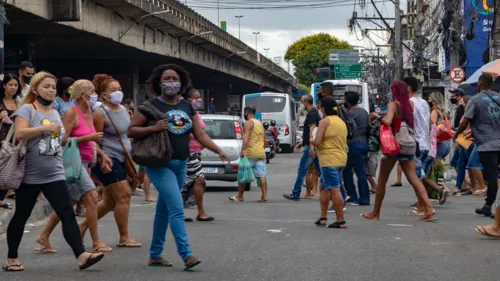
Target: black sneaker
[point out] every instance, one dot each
(443, 195)
(485, 210)
(291, 197)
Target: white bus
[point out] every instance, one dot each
(342, 86)
(279, 107)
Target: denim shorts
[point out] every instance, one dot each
(443, 149)
(423, 164)
(258, 167)
(330, 177)
(474, 162)
(117, 173)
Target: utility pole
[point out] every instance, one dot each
(256, 34)
(266, 49)
(495, 33)
(455, 33)
(218, 13)
(239, 26)
(3, 20)
(398, 50)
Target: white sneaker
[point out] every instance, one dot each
(332, 210)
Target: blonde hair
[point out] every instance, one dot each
(439, 99)
(35, 82)
(79, 87)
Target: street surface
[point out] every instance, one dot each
(278, 241)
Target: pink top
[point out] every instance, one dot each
(82, 129)
(194, 146)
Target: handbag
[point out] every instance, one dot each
(387, 141)
(443, 130)
(129, 163)
(72, 162)
(405, 138)
(154, 150)
(463, 141)
(12, 159)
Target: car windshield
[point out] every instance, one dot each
(266, 103)
(220, 129)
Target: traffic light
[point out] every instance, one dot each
(377, 96)
(323, 73)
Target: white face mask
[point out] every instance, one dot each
(92, 101)
(320, 114)
(116, 98)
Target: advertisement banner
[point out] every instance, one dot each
(477, 48)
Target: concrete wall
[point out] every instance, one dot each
(167, 34)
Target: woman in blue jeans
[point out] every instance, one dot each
(168, 82)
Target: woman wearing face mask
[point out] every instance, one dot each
(40, 125)
(166, 82)
(78, 124)
(9, 93)
(195, 180)
(111, 170)
(63, 100)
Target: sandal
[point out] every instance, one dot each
(338, 224)
(103, 249)
(188, 219)
(9, 268)
(45, 250)
(261, 201)
(91, 260)
(129, 244)
(161, 262)
(7, 206)
(191, 262)
(466, 192)
(482, 231)
(396, 184)
(320, 220)
(198, 218)
(234, 199)
(415, 213)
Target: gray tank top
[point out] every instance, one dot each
(110, 142)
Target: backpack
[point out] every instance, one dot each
(405, 138)
(349, 122)
(374, 136)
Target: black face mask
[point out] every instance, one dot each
(245, 116)
(453, 101)
(430, 104)
(346, 105)
(26, 79)
(132, 108)
(43, 101)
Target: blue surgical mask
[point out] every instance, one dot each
(116, 98)
(169, 89)
(92, 101)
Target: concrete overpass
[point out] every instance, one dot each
(128, 38)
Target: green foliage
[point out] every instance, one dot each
(310, 53)
(304, 88)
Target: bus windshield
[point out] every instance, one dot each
(339, 91)
(266, 103)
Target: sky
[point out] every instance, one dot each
(280, 28)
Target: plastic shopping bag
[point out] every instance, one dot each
(388, 142)
(72, 162)
(245, 173)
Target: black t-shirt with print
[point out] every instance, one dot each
(179, 127)
(312, 117)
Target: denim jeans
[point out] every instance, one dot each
(304, 164)
(356, 160)
(169, 207)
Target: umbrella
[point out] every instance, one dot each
(492, 68)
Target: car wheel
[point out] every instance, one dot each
(247, 186)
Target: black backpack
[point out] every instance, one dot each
(349, 122)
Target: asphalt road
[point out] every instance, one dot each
(278, 241)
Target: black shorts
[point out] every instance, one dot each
(117, 173)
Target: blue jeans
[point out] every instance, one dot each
(421, 165)
(304, 164)
(356, 160)
(464, 163)
(169, 208)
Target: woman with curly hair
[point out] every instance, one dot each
(112, 119)
(167, 83)
(400, 109)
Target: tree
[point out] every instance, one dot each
(311, 52)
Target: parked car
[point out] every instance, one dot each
(227, 132)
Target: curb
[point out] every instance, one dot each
(41, 211)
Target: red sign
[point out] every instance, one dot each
(457, 74)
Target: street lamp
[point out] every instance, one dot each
(266, 49)
(239, 26)
(256, 34)
(139, 19)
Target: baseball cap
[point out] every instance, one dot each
(458, 92)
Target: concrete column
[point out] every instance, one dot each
(135, 83)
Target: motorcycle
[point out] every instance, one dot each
(269, 149)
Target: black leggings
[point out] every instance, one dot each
(490, 161)
(58, 196)
(2, 194)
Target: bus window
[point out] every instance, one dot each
(339, 91)
(266, 103)
(292, 110)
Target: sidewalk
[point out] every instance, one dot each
(41, 211)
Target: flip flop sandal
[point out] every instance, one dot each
(485, 233)
(234, 199)
(130, 244)
(261, 201)
(415, 213)
(8, 268)
(188, 266)
(372, 191)
(318, 222)
(91, 261)
(105, 249)
(339, 224)
(46, 250)
(198, 218)
(427, 219)
(160, 263)
(188, 219)
(7, 206)
(396, 184)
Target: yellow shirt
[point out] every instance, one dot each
(255, 146)
(332, 151)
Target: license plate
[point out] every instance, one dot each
(210, 170)
(268, 149)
